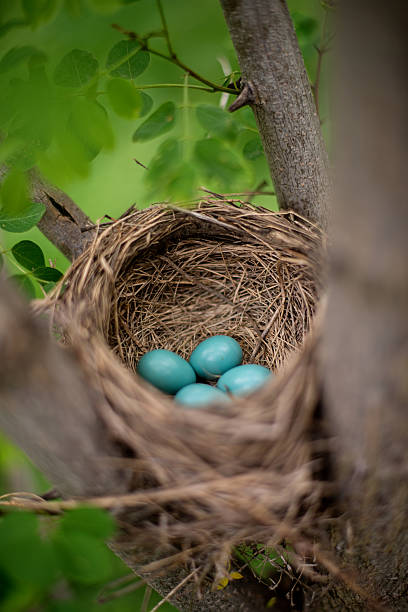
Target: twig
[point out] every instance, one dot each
(165, 28)
(174, 60)
(176, 588)
(245, 98)
(129, 588)
(140, 163)
(321, 51)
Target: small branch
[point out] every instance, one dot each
(173, 591)
(322, 49)
(161, 85)
(63, 220)
(165, 28)
(245, 98)
(174, 60)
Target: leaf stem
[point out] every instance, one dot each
(165, 28)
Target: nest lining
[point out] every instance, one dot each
(168, 278)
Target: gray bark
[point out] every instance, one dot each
(283, 104)
(365, 362)
(63, 221)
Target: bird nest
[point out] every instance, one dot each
(164, 277)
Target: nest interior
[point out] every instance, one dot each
(189, 279)
(167, 278)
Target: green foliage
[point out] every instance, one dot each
(89, 129)
(125, 100)
(21, 221)
(147, 104)
(25, 285)
(217, 160)
(217, 121)
(14, 192)
(42, 557)
(253, 149)
(38, 11)
(126, 60)
(264, 562)
(75, 69)
(28, 254)
(16, 56)
(47, 275)
(158, 123)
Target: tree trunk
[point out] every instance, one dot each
(365, 363)
(283, 104)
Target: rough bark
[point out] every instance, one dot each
(365, 363)
(283, 104)
(63, 221)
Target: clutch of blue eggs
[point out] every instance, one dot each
(218, 358)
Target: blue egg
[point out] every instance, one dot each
(166, 370)
(199, 395)
(244, 379)
(214, 356)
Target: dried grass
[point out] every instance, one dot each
(167, 278)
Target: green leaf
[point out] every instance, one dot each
(1, 261)
(253, 149)
(73, 7)
(217, 161)
(217, 121)
(24, 220)
(25, 284)
(168, 176)
(84, 559)
(10, 25)
(305, 26)
(38, 11)
(167, 158)
(47, 274)
(105, 6)
(147, 103)
(92, 521)
(28, 254)
(25, 557)
(75, 69)
(157, 124)
(16, 56)
(126, 101)
(14, 192)
(48, 287)
(126, 61)
(89, 126)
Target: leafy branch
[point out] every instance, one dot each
(172, 56)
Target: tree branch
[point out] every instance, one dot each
(271, 62)
(63, 220)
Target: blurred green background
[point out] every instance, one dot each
(112, 181)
